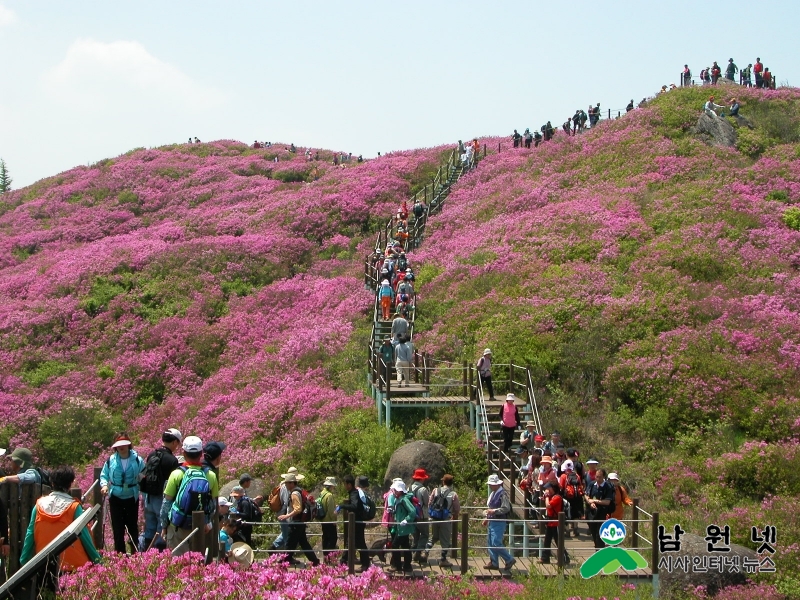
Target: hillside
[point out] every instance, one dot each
(206, 285)
(650, 280)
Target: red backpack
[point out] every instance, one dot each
(573, 487)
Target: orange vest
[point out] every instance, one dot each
(47, 527)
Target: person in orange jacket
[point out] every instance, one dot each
(52, 515)
(621, 498)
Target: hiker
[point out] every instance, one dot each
(591, 466)
(528, 136)
(768, 81)
(196, 140)
(297, 528)
(745, 76)
(715, 73)
(705, 76)
(387, 351)
(248, 511)
(399, 328)
(734, 110)
(516, 137)
(227, 531)
(328, 502)
(422, 532)
(485, 372)
(554, 504)
(509, 420)
(629, 108)
(212, 456)
(599, 497)
(190, 487)
(583, 118)
(443, 509)
(758, 69)
(552, 445)
(537, 139)
(283, 499)
(119, 481)
(51, 515)
(19, 465)
(385, 295)
(405, 515)
(527, 437)
(710, 108)
(158, 467)
(621, 497)
(731, 70)
(246, 481)
(548, 131)
(567, 125)
(404, 353)
(356, 502)
(572, 488)
(687, 76)
(498, 508)
(419, 209)
(547, 474)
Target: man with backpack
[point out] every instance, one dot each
(279, 504)
(248, 511)
(157, 468)
(191, 487)
(405, 517)
(573, 489)
(600, 503)
(299, 514)
(443, 510)
(498, 508)
(19, 465)
(361, 504)
(422, 496)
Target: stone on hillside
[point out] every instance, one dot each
(695, 546)
(419, 454)
(715, 131)
(257, 488)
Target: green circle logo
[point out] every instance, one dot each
(612, 532)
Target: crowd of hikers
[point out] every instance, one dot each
(711, 75)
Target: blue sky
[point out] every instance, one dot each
(86, 80)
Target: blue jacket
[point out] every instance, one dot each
(122, 484)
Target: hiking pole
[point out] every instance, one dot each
(83, 498)
(153, 541)
(180, 546)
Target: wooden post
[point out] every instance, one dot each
(654, 559)
(98, 534)
(484, 151)
(351, 543)
(511, 378)
(464, 543)
(635, 524)
(512, 488)
(198, 541)
(454, 539)
(562, 529)
(221, 555)
(471, 394)
(75, 493)
(498, 147)
(526, 499)
(464, 378)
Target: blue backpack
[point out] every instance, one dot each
(194, 494)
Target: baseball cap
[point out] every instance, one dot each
(213, 450)
(174, 433)
(192, 444)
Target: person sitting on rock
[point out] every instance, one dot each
(710, 108)
(734, 110)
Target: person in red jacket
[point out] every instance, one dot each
(758, 69)
(554, 504)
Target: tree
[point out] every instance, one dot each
(5, 178)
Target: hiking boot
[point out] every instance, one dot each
(445, 563)
(510, 564)
(491, 565)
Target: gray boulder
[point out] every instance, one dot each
(257, 488)
(419, 454)
(693, 546)
(715, 131)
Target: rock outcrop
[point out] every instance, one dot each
(419, 454)
(715, 131)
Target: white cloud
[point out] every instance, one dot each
(7, 16)
(123, 75)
